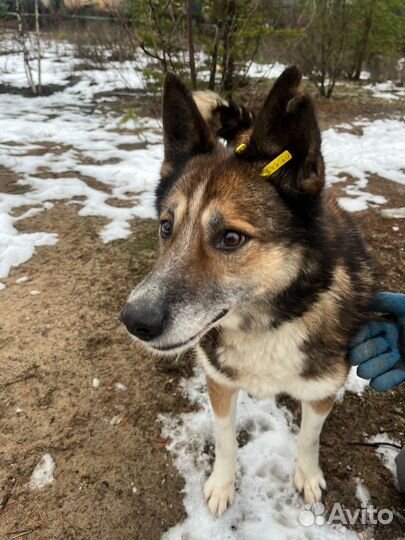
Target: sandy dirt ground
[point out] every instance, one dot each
(114, 479)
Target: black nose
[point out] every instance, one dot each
(144, 322)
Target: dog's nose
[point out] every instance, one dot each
(144, 322)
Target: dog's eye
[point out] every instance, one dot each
(166, 227)
(231, 240)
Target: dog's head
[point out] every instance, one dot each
(229, 236)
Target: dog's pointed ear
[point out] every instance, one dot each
(288, 121)
(186, 133)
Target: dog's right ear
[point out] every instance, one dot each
(186, 133)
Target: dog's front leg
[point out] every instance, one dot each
(308, 475)
(219, 490)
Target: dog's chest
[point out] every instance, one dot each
(268, 363)
(264, 364)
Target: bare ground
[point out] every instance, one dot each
(114, 478)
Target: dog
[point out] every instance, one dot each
(259, 271)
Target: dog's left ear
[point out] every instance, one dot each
(186, 133)
(287, 122)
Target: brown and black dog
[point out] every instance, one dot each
(258, 271)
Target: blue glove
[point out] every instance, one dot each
(379, 349)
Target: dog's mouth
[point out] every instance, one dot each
(190, 341)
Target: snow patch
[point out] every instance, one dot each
(116, 420)
(267, 504)
(66, 137)
(42, 475)
(378, 151)
(362, 493)
(354, 383)
(67, 132)
(387, 454)
(386, 90)
(393, 213)
(353, 205)
(268, 71)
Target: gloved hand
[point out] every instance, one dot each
(379, 348)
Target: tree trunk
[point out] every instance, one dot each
(25, 52)
(363, 46)
(193, 75)
(38, 39)
(228, 35)
(214, 57)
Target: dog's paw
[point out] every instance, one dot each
(310, 484)
(218, 496)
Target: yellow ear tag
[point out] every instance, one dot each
(277, 162)
(240, 149)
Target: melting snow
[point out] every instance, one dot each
(379, 150)
(42, 475)
(362, 493)
(22, 279)
(387, 454)
(267, 504)
(269, 71)
(65, 138)
(386, 90)
(354, 383)
(393, 213)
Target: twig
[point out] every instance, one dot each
(375, 444)
(18, 534)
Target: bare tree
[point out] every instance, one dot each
(38, 51)
(323, 50)
(238, 29)
(22, 41)
(155, 27)
(214, 55)
(27, 47)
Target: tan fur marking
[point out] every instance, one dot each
(166, 169)
(231, 217)
(342, 280)
(220, 397)
(207, 101)
(313, 185)
(179, 202)
(240, 224)
(323, 406)
(273, 264)
(195, 202)
(343, 371)
(243, 137)
(325, 313)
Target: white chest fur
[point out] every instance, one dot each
(269, 363)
